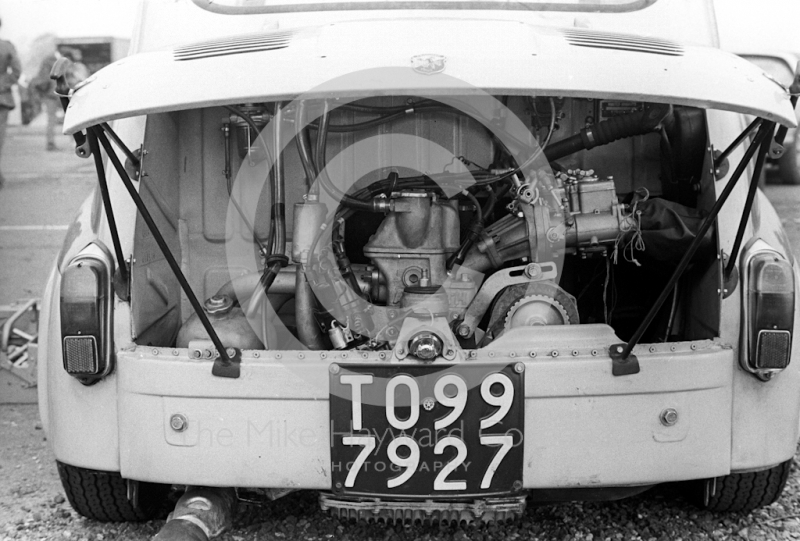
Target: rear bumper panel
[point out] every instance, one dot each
(583, 426)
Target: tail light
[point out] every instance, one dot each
(87, 299)
(768, 311)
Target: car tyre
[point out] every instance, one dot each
(789, 163)
(103, 496)
(742, 492)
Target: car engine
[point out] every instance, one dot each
(429, 258)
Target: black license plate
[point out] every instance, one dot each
(426, 430)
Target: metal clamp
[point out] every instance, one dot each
(622, 366)
(495, 284)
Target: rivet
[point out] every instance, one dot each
(532, 354)
(491, 354)
(364, 355)
(574, 352)
(694, 346)
(197, 354)
(344, 355)
(554, 353)
(672, 348)
(175, 352)
(155, 351)
(512, 354)
(323, 355)
(517, 486)
(594, 353)
(382, 355)
(230, 352)
(256, 354)
(301, 356)
(652, 349)
(178, 422)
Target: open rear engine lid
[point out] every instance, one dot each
(426, 56)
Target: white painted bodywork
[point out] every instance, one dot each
(322, 60)
(587, 427)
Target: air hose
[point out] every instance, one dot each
(608, 131)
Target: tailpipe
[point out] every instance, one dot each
(202, 513)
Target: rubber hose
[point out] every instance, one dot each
(608, 131)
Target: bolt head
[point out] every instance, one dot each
(463, 330)
(519, 368)
(669, 417)
(428, 403)
(334, 369)
(532, 270)
(178, 422)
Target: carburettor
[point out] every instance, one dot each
(595, 215)
(580, 212)
(412, 244)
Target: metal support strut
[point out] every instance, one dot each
(226, 365)
(621, 353)
(112, 223)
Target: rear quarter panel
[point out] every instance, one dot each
(765, 415)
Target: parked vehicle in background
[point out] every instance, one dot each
(96, 51)
(481, 253)
(781, 66)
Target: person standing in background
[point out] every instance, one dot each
(45, 87)
(10, 69)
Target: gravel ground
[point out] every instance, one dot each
(32, 506)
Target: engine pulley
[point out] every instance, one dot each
(531, 304)
(534, 310)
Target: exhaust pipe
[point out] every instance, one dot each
(202, 513)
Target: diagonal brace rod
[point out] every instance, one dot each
(751, 195)
(763, 135)
(224, 366)
(112, 223)
(114, 137)
(736, 142)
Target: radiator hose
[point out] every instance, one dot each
(608, 131)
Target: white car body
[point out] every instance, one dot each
(271, 428)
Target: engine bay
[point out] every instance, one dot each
(423, 225)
